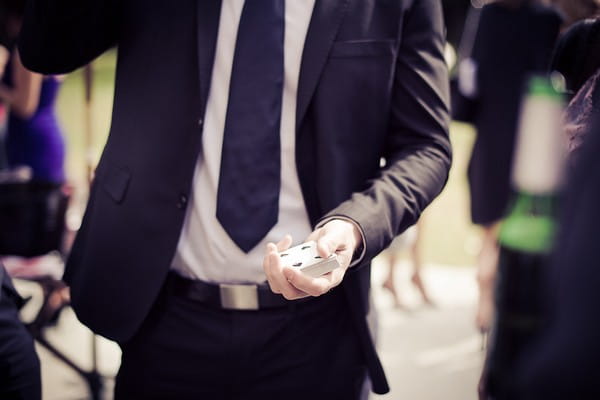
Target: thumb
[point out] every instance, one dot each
(328, 243)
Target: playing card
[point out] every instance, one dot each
(306, 258)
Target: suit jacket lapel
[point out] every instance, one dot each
(325, 22)
(208, 14)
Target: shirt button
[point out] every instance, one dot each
(200, 121)
(182, 201)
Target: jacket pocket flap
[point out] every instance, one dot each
(116, 181)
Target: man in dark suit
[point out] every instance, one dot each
(236, 124)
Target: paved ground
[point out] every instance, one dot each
(428, 353)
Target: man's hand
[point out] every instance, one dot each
(336, 236)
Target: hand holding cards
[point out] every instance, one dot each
(306, 258)
(307, 270)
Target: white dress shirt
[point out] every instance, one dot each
(205, 251)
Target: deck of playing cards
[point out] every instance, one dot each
(306, 258)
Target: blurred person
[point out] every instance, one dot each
(411, 240)
(33, 138)
(5, 41)
(4, 55)
(576, 54)
(166, 233)
(575, 10)
(455, 13)
(19, 363)
(514, 39)
(33, 135)
(3, 60)
(560, 364)
(578, 60)
(563, 361)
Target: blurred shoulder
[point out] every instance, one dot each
(547, 12)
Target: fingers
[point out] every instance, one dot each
(314, 286)
(328, 244)
(314, 236)
(325, 239)
(271, 258)
(309, 285)
(275, 277)
(284, 243)
(267, 261)
(336, 237)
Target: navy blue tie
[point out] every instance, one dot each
(250, 177)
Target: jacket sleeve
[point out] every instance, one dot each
(59, 36)
(417, 152)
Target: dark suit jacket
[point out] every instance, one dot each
(373, 84)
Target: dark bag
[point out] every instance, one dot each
(32, 218)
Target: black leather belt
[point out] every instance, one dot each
(225, 296)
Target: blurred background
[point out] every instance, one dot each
(425, 322)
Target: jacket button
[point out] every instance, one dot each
(182, 201)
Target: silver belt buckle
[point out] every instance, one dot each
(239, 297)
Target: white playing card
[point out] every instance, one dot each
(306, 258)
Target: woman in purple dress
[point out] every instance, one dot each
(34, 138)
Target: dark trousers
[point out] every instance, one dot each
(19, 363)
(189, 350)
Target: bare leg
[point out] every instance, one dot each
(389, 282)
(417, 263)
(57, 296)
(486, 277)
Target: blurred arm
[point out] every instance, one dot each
(59, 36)
(3, 59)
(24, 96)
